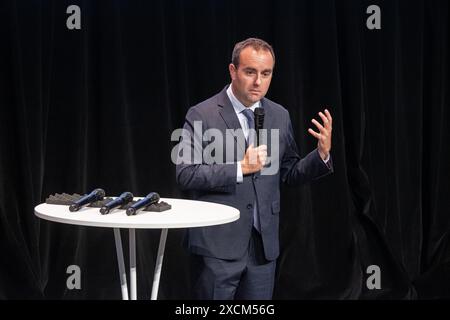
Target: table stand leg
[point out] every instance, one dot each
(159, 261)
(122, 274)
(133, 281)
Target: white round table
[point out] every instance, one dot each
(183, 214)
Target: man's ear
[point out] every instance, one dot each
(232, 70)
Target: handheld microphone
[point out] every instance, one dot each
(259, 122)
(124, 198)
(95, 195)
(150, 199)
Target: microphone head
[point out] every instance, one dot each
(259, 112)
(259, 117)
(153, 196)
(99, 193)
(127, 197)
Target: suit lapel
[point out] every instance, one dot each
(230, 118)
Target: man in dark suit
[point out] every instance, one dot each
(237, 260)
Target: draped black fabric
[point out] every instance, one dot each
(96, 107)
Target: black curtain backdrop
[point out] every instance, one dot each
(96, 107)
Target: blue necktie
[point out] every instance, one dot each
(248, 113)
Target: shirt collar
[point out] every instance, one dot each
(237, 105)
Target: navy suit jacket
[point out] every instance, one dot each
(217, 182)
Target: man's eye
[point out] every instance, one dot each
(266, 74)
(249, 72)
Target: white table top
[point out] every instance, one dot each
(184, 214)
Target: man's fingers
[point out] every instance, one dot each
(262, 147)
(325, 120)
(314, 134)
(257, 156)
(330, 119)
(318, 125)
(261, 151)
(252, 154)
(262, 159)
(253, 160)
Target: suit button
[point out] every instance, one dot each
(255, 177)
(249, 206)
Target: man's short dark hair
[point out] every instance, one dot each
(255, 43)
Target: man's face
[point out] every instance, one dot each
(251, 80)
